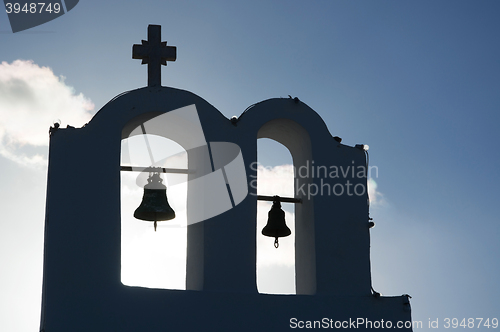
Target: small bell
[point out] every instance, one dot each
(154, 205)
(276, 226)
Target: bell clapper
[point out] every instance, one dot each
(155, 221)
(276, 244)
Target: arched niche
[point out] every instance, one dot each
(275, 266)
(182, 126)
(149, 258)
(296, 139)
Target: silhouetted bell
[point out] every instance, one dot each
(154, 205)
(276, 226)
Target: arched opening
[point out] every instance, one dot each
(296, 139)
(275, 176)
(148, 258)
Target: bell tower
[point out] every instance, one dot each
(81, 279)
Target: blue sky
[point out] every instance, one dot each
(418, 81)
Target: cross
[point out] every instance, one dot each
(154, 53)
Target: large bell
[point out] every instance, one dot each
(154, 205)
(276, 226)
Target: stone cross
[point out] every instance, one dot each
(154, 53)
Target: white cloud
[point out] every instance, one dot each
(277, 180)
(31, 99)
(376, 197)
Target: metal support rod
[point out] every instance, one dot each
(147, 144)
(278, 198)
(156, 170)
